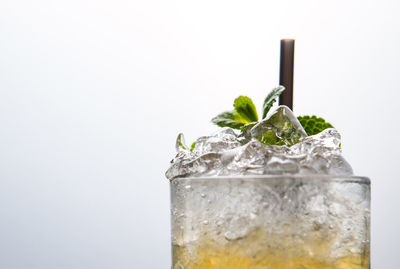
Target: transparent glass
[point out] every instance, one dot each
(298, 222)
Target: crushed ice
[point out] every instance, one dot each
(228, 153)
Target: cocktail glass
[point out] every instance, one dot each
(283, 221)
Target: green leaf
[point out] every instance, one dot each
(229, 119)
(192, 146)
(271, 98)
(270, 138)
(181, 141)
(313, 125)
(246, 109)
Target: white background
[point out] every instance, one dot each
(93, 94)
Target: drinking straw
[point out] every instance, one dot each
(286, 72)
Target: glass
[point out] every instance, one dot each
(299, 222)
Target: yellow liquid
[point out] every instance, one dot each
(226, 260)
(247, 253)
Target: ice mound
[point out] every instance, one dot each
(277, 145)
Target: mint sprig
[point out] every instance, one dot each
(245, 117)
(270, 99)
(313, 124)
(245, 111)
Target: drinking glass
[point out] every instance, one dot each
(283, 221)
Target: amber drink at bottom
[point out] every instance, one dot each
(271, 222)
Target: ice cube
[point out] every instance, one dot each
(223, 140)
(281, 128)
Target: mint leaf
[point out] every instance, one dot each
(271, 98)
(270, 138)
(180, 142)
(246, 109)
(229, 119)
(192, 146)
(313, 125)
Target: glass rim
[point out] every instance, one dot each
(311, 177)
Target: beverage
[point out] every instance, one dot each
(274, 222)
(268, 196)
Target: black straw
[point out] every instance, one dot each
(286, 72)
